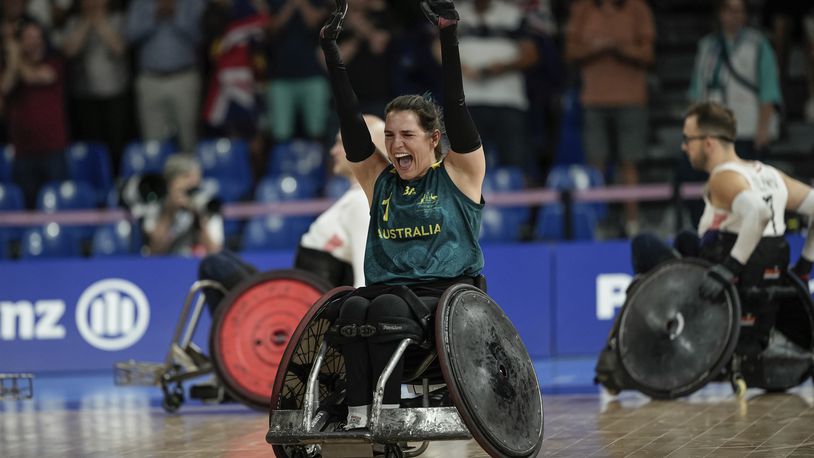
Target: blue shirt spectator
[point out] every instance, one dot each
(167, 36)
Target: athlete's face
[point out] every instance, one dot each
(410, 148)
(341, 166)
(694, 144)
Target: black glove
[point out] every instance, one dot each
(802, 269)
(333, 26)
(719, 277)
(440, 12)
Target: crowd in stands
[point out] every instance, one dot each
(600, 83)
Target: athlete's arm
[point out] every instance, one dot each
(729, 190)
(359, 147)
(801, 200)
(465, 162)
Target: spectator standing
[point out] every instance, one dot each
(166, 36)
(51, 14)
(611, 41)
(100, 76)
(366, 46)
(736, 67)
(33, 83)
(297, 84)
(235, 40)
(495, 51)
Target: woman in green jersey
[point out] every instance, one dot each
(425, 213)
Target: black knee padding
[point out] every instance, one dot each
(226, 268)
(350, 325)
(392, 319)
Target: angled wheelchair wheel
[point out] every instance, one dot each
(671, 342)
(489, 373)
(291, 379)
(252, 327)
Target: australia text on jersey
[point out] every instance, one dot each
(409, 232)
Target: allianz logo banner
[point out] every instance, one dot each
(111, 314)
(91, 313)
(58, 315)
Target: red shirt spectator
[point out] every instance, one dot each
(36, 114)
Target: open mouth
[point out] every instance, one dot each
(404, 161)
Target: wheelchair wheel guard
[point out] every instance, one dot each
(785, 361)
(291, 379)
(671, 342)
(252, 327)
(489, 373)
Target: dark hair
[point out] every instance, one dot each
(616, 3)
(714, 119)
(721, 4)
(425, 109)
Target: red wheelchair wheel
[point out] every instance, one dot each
(252, 327)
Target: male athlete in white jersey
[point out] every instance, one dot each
(745, 202)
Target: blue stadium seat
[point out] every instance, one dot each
(569, 148)
(336, 186)
(49, 241)
(228, 191)
(6, 163)
(278, 232)
(11, 199)
(142, 157)
(227, 160)
(577, 177)
(65, 195)
(120, 239)
(68, 195)
(573, 177)
(550, 222)
(297, 157)
(283, 188)
(90, 163)
(502, 224)
(275, 232)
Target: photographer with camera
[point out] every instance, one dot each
(186, 220)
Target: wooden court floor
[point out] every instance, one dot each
(129, 422)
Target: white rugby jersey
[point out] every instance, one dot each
(342, 231)
(763, 179)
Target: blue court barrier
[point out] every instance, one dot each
(87, 314)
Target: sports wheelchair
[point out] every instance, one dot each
(488, 387)
(668, 342)
(249, 334)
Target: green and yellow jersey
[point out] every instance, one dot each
(421, 230)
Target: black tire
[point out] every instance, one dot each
(289, 384)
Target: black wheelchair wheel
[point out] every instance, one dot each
(252, 327)
(291, 379)
(671, 342)
(489, 373)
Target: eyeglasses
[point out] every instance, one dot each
(686, 139)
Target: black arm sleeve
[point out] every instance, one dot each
(461, 131)
(355, 135)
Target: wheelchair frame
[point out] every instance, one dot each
(184, 359)
(309, 427)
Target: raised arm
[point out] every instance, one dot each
(466, 161)
(359, 147)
